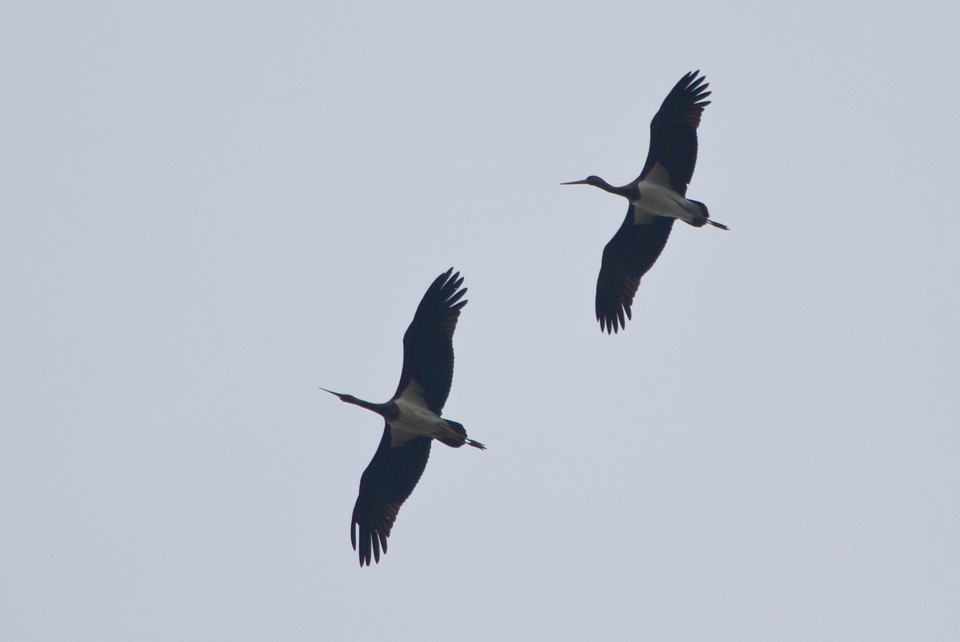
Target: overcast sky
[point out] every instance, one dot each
(209, 210)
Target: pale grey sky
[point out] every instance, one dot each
(207, 211)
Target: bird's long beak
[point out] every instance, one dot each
(335, 394)
(583, 182)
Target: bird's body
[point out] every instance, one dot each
(657, 197)
(415, 419)
(412, 417)
(657, 200)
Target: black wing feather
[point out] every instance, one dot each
(673, 131)
(626, 258)
(428, 342)
(387, 482)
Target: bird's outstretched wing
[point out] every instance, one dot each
(428, 342)
(387, 482)
(630, 253)
(673, 134)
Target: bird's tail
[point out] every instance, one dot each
(700, 222)
(456, 442)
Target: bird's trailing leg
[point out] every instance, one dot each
(456, 443)
(460, 438)
(699, 222)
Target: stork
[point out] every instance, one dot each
(657, 197)
(412, 417)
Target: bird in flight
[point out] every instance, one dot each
(412, 417)
(657, 197)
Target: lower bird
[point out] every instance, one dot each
(657, 197)
(412, 417)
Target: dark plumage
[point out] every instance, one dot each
(657, 197)
(412, 417)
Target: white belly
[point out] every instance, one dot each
(657, 200)
(415, 418)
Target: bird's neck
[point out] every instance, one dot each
(386, 410)
(629, 191)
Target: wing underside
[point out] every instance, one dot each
(428, 342)
(673, 134)
(386, 484)
(626, 258)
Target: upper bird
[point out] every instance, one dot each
(657, 197)
(412, 417)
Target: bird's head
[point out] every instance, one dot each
(596, 181)
(347, 398)
(627, 191)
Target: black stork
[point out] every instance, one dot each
(657, 197)
(412, 417)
